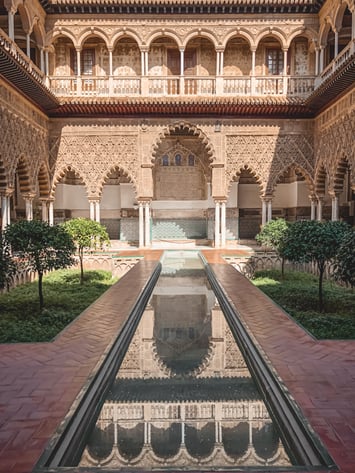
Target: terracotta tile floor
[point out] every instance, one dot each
(39, 382)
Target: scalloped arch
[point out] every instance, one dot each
(247, 167)
(59, 174)
(43, 178)
(342, 166)
(22, 170)
(192, 130)
(296, 167)
(320, 178)
(114, 167)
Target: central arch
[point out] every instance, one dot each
(181, 184)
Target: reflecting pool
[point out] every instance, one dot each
(183, 396)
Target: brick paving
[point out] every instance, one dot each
(39, 382)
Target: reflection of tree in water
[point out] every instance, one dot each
(130, 441)
(236, 439)
(100, 442)
(200, 441)
(265, 440)
(166, 442)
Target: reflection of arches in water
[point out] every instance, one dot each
(200, 442)
(130, 441)
(236, 439)
(166, 442)
(101, 442)
(265, 440)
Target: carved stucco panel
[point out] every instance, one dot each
(269, 156)
(22, 140)
(336, 143)
(93, 156)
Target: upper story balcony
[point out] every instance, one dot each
(252, 61)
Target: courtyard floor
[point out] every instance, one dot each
(39, 382)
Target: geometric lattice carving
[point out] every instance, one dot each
(269, 156)
(93, 156)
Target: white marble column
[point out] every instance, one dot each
(223, 224)
(97, 211)
(321, 59)
(313, 208)
(28, 44)
(269, 210)
(316, 71)
(320, 209)
(4, 211)
(217, 225)
(92, 210)
(51, 212)
(252, 78)
(263, 211)
(147, 224)
(29, 208)
(44, 211)
(336, 43)
(335, 208)
(11, 24)
(141, 224)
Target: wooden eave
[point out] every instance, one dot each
(25, 77)
(276, 107)
(342, 80)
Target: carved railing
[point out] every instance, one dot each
(336, 63)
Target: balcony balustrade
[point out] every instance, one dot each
(296, 86)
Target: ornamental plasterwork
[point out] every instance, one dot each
(94, 156)
(181, 30)
(269, 156)
(20, 140)
(336, 143)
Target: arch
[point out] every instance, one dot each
(275, 33)
(39, 32)
(341, 169)
(65, 33)
(25, 17)
(23, 173)
(125, 33)
(324, 31)
(308, 33)
(240, 33)
(164, 33)
(115, 167)
(339, 14)
(320, 180)
(3, 176)
(189, 129)
(201, 33)
(296, 168)
(248, 168)
(92, 33)
(43, 181)
(61, 173)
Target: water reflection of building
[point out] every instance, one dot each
(157, 415)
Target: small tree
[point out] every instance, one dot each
(272, 235)
(87, 235)
(40, 248)
(311, 240)
(7, 264)
(345, 259)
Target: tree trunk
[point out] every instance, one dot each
(81, 258)
(283, 268)
(40, 289)
(320, 286)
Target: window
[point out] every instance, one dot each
(165, 161)
(178, 160)
(274, 61)
(87, 62)
(191, 160)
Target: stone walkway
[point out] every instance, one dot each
(39, 382)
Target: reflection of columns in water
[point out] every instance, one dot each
(216, 225)
(147, 223)
(223, 224)
(141, 224)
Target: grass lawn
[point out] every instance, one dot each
(297, 294)
(64, 299)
